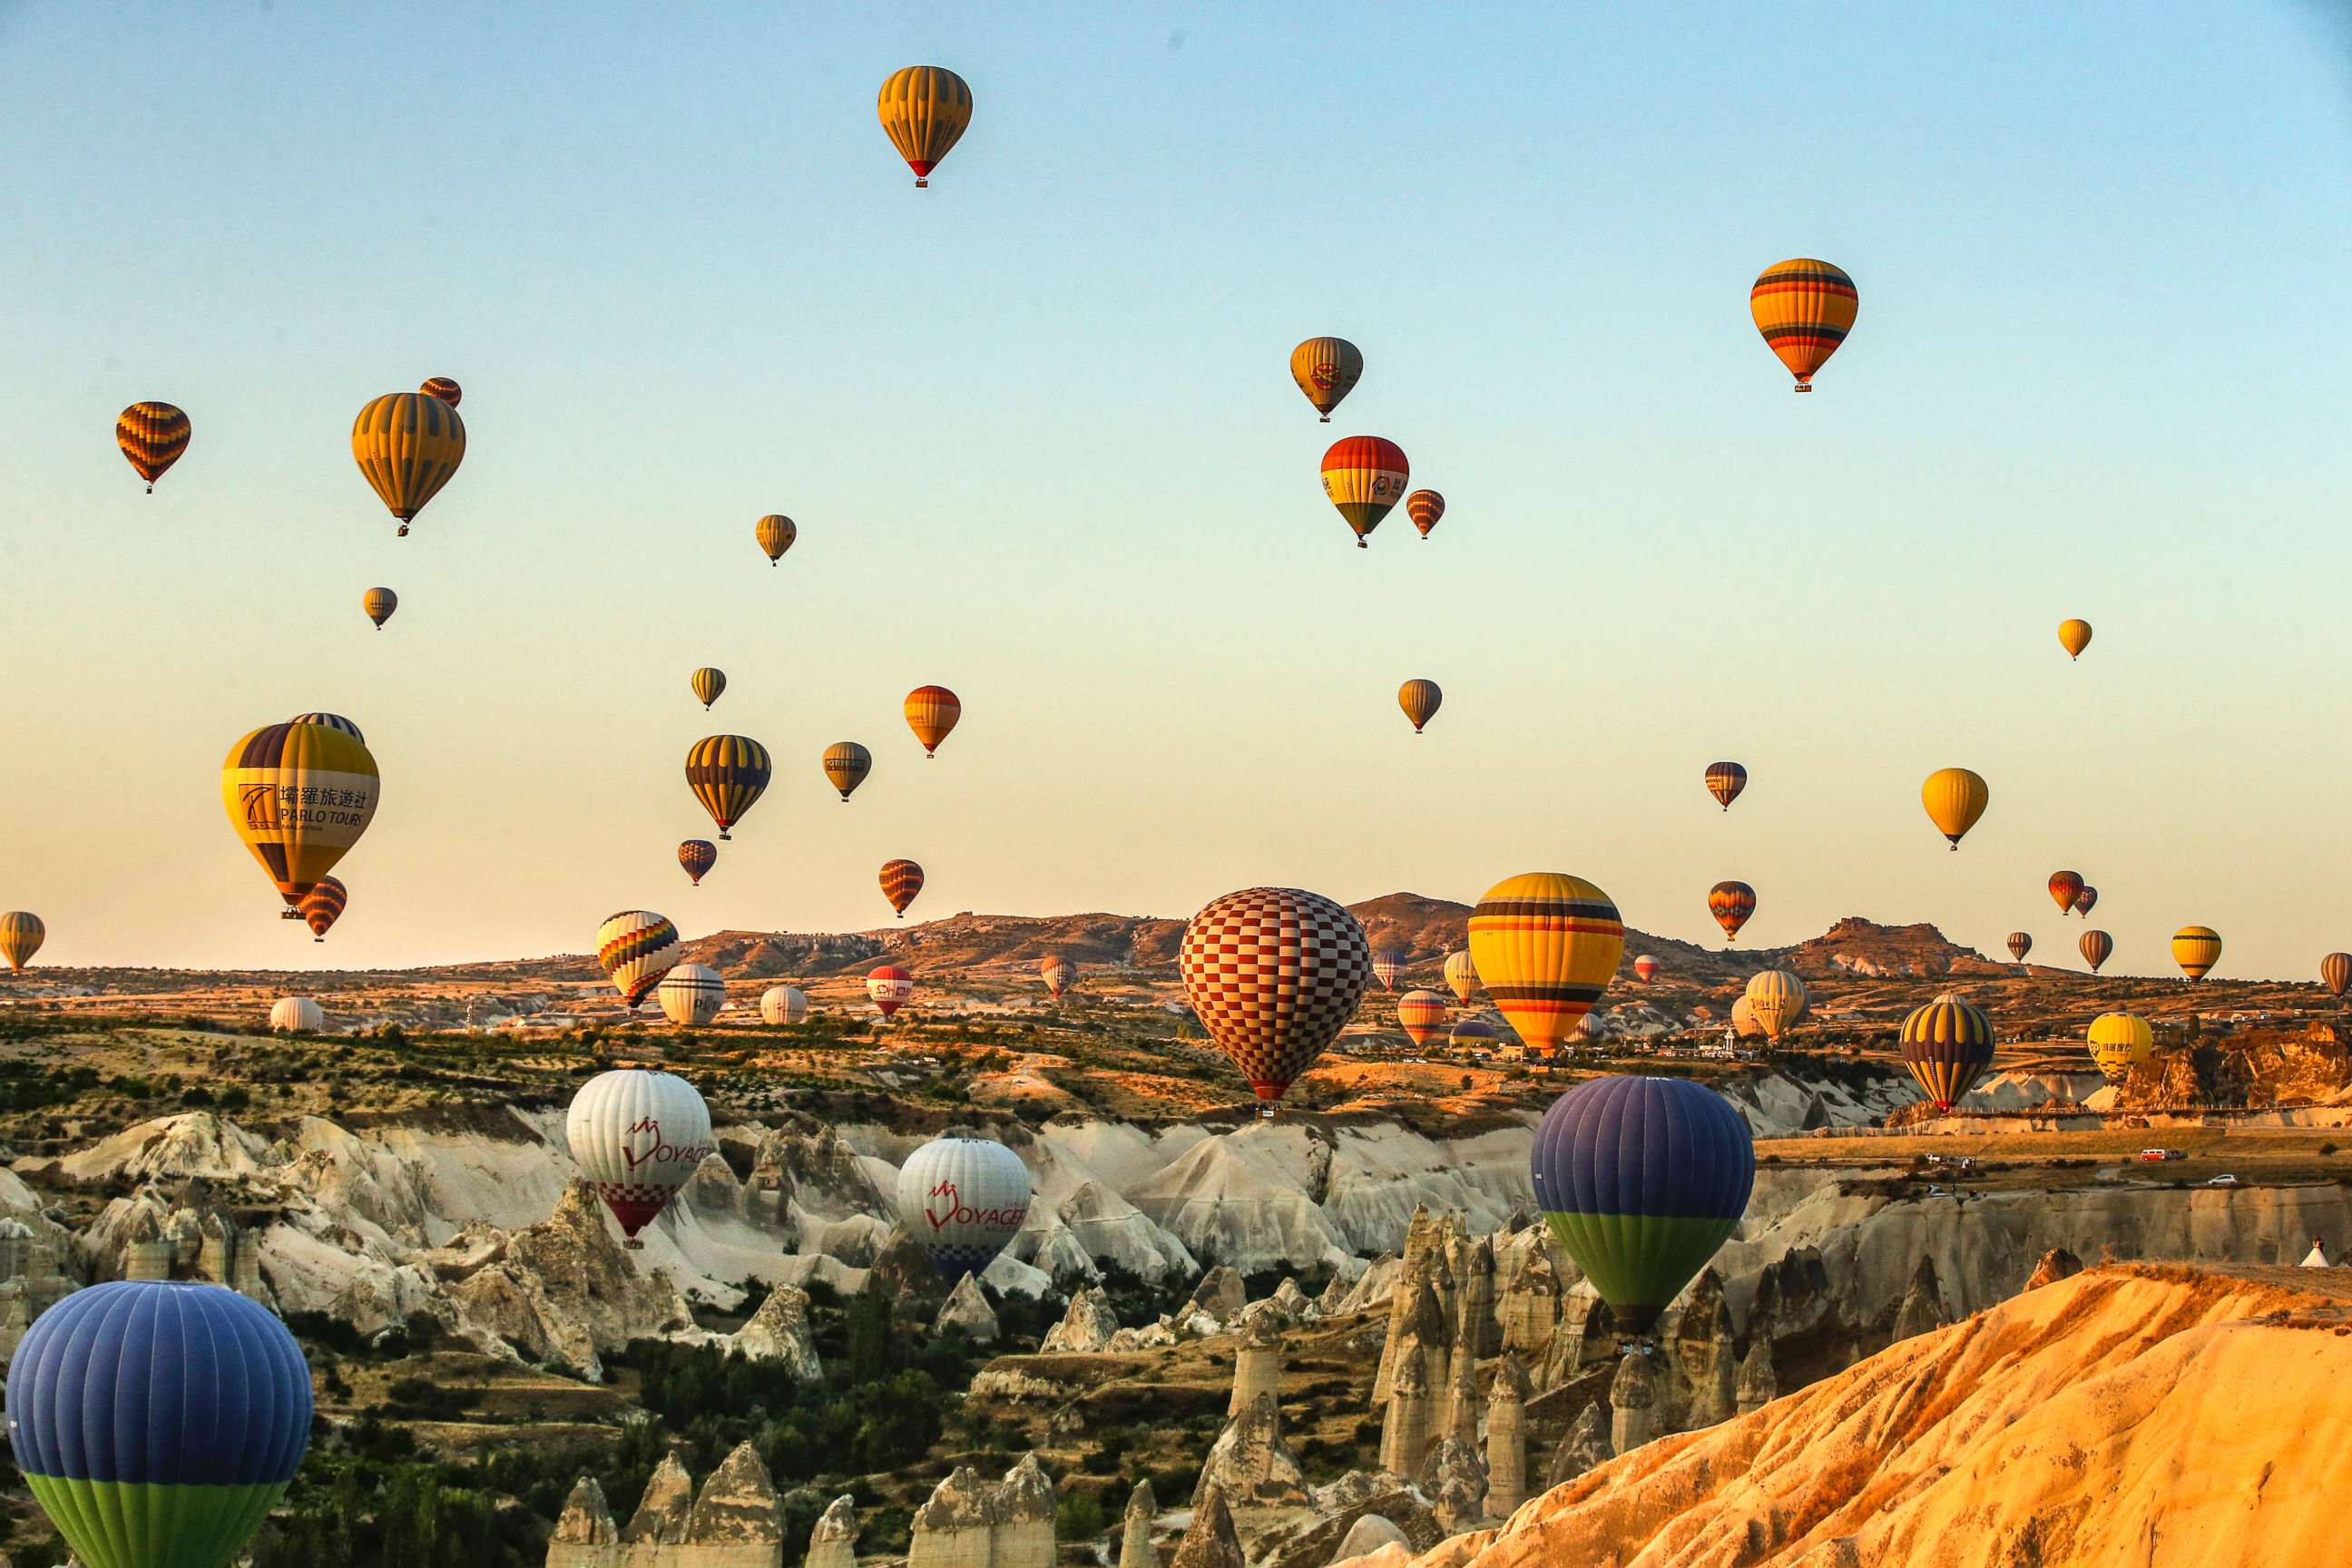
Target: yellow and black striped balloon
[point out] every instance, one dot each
(726, 775)
(924, 111)
(775, 534)
(300, 794)
(1420, 698)
(408, 444)
(2196, 949)
(152, 435)
(1948, 1045)
(707, 683)
(846, 764)
(379, 603)
(21, 935)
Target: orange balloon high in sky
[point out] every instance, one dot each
(1804, 308)
(1365, 476)
(931, 713)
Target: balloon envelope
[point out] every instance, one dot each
(706, 684)
(639, 1137)
(299, 795)
(1419, 698)
(775, 534)
(962, 1199)
(2074, 635)
(924, 111)
(1547, 944)
(888, 986)
(635, 948)
(1327, 369)
(377, 605)
(901, 880)
(1387, 966)
(728, 773)
(2020, 943)
(1461, 973)
(1947, 1044)
(691, 994)
(2065, 886)
(2196, 949)
(21, 935)
(2094, 946)
(2119, 1042)
(1274, 974)
(152, 435)
(933, 712)
(1777, 1001)
(1646, 967)
(323, 905)
(1424, 508)
(408, 445)
(1804, 308)
(846, 764)
(2335, 969)
(784, 1004)
(1365, 476)
(1954, 798)
(697, 856)
(1725, 780)
(1057, 972)
(1730, 903)
(1422, 1014)
(296, 1015)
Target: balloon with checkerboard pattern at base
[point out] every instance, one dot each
(638, 1136)
(1274, 974)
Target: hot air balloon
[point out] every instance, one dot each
(1365, 476)
(635, 948)
(783, 1006)
(924, 111)
(697, 856)
(901, 880)
(691, 994)
(2119, 1042)
(408, 445)
(2095, 946)
(1422, 1014)
(1461, 973)
(299, 795)
(442, 387)
(1730, 903)
(2335, 969)
(931, 714)
(1948, 1045)
(1547, 945)
(323, 905)
(962, 1199)
(1424, 508)
(1645, 968)
(1473, 1034)
(2196, 949)
(888, 987)
(775, 533)
(1274, 974)
(1057, 973)
(152, 435)
(728, 773)
(297, 1016)
(2020, 943)
(21, 935)
(1419, 698)
(846, 764)
(1777, 1000)
(1725, 780)
(378, 604)
(1744, 1021)
(1642, 1179)
(157, 1421)
(334, 721)
(1386, 964)
(1955, 798)
(1327, 369)
(639, 1137)
(2085, 900)
(2065, 886)
(2074, 635)
(1804, 308)
(706, 684)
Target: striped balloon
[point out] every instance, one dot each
(378, 604)
(299, 795)
(1804, 308)
(152, 435)
(442, 387)
(1954, 798)
(1057, 972)
(1730, 903)
(2086, 900)
(21, 935)
(2074, 636)
(1422, 1013)
(2020, 943)
(924, 111)
(706, 684)
(635, 948)
(1547, 944)
(297, 1016)
(888, 987)
(1424, 508)
(2196, 949)
(846, 764)
(1744, 1022)
(1645, 968)
(2119, 1042)
(2095, 946)
(1386, 964)
(1642, 1179)
(323, 905)
(1365, 476)
(1948, 1045)
(697, 856)
(158, 1423)
(691, 994)
(1777, 1000)
(2065, 886)
(1420, 699)
(1473, 1034)
(901, 880)
(1461, 973)
(638, 1137)
(931, 714)
(1327, 369)
(1274, 974)
(728, 773)
(783, 1006)
(334, 721)
(408, 445)
(962, 1200)
(1725, 780)
(775, 534)
(2335, 969)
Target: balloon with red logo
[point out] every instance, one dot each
(888, 987)
(962, 1199)
(639, 1137)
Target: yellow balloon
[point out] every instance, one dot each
(1955, 798)
(2196, 949)
(2074, 635)
(1547, 944)
(408, 444)
(2120, 1042)
(300, 794)
(924, 111)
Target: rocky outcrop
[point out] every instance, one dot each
(586, 1520)
(1633, 1404)
(1453, 1479)
(1405, 1433)
(1135, 1547)
(1529, 1308)
(1210, 1541)
(970, 1524)
(780, 1331)
(1585, 1448)
(1922, 1311)
(1220, 1294)
(1258, 1361)
(1024, 1530)
(564, 1290)
(664, 1511)
(1085, 1328)
(1756, 1386)
(833, 1543)
(1464, 1407)
(1368, 1535)
(967, 1309)
(1506, 1439)
(1475, 1327)
(2056, 1264)
(1250, 1465)
(737, 1506)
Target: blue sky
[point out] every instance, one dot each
(1036, 426)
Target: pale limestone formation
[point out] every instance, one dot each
(968, 1308)
(1220, 1294)
(1025, 1531)
(1291, 1301)
(780, 1331)
(2060, 1264)
(662, 1512)
(1464, 1407)
(833, 1543)
(1257, 1362)
(1250, 1465)
(1922, 1311)
(737, 1507)
(1368, 1535)
(1210, 1542)
(1704, 1354)
(1404, 1435)
(956, 1528)
(1475, 1327)
(1416, 1329)
(1453, 1479)
(1507, 1438)
(1529, 1309)
(1135, 1547)
(1633, 1404)
(1586, 1445)
(586, 1520)
(1085, 1328)
(1756, 1385)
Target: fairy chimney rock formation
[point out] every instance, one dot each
(1506, 1439)
(1464, 1407)
(587, 1521)
(1404, 1435)
(1210, 1542)
(1475, 1327)
(957, 1526)
(1530, 1307)
(1633, 1404)
(1922, 1311)
(662, 1513)
(1258, 1365)
(1220, 1294)
(1250, 1465)
(1586, 1445)
(1135, 1547)
(1756, 1386)
(1368, 1535)
(1085, 1328)
(737, 1507)
(1453, 1479)
(833, 1543)
(968, 1309)
(780, 1331)
(1025, 1531)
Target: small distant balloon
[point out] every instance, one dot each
(697, 856)
(2095, 946)
(1955, 798)
(706, 684)
(775, 533)
(2074, 635)
(2086, 900)
(1461, 973)
(1057, 973)
(1725, 780)
(728, 773)
(1645, 968)
(1419, 701)
(2020, 943)
(691, 995)
(888, 987)
(2335, 969)
(22, 933)
(1424, 508)
(1327, 369)
(2119, 1042)
(1365, 478)
(783, 1006)
(1804, 308)
(442, 387)
(1777, 1000)
(1421, 1013)
(2196, 949)
(932, 714)
(924, 111)
(2065, 886)
(379, 603)
(152, 435)
(408, 445)
(901, 880)
(846, 764)
(323, 905)
(1948, 1045)
(635, 949)
(1730, 903)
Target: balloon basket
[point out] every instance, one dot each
(633, 1244)
(1804, 387)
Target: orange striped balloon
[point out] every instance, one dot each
(901, 880)
(1422, 1013)
(1547, 944)
(1420, 699)
(2095, 946)
(442, 387)
(697, 855)
(1804, 308)
(1365, 478)
(1424, 507)
(323, 905)
(933, 712)
(1730, 903)
(152, 435)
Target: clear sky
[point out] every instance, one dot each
(1038, 431)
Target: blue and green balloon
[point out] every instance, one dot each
(158, 1423)
(1642, 1179)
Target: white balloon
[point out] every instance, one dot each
(639, 1137)
(962, 1199)
(691, 994)
(784, 1004)
(289, 1014)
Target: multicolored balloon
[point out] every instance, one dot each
(2065, 886)
(442, 387)
(1547, 944)
(1365, 476)
(2074, 635)
(1947, 1044)
(378, 604)
(1057, 973)
(783, 1006)
(697, 856)
(691, 995)
(1645, 969)
(158, 1423)
(706, 684)
(1804, 308)
(1420, 699)
(1473, 1034)
(408, 445)
(2196, 949)
(1954, 798)
(901, 880)
(2095, 946)
(2119, 1042)
(1777, 1000)
(728, 773)
(1424, 508)
(962, 1200)
(846, 764)
(1730, 903)
(323, 905)
(1421, 1013)
(299, 795)
(639, 1137)
(1642, 1179)
(334, 721)
(152, 435)
(775, 534)
(1274, 974)
(931, 713)
(1725, 780)
(1388, 963)
(21, 935)
(1327, 369)
(1461, 973)
(888, 987)
(2335, 969)
(924, 111)
(2021, 942)
(635, 949)
(2086, 900)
